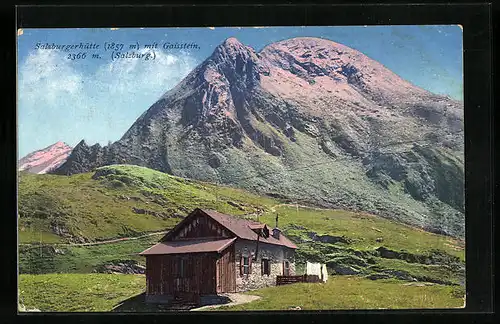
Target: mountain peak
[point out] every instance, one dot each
(232, 42)
(310, 43)
(82, 143)
(240, 112)
(60, 144)
(231, 48)
(46, 159)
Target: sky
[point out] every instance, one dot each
(63, 96)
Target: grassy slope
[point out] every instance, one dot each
(434, 272)
(101, 209)
(356, 293)
(80, 259)
(95, 209)
(92, 209)
(364, 230)
(102, 292)
(77, 292)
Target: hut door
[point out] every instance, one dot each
(180, 264)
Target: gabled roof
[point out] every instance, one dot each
(241, 228)
(189, 246)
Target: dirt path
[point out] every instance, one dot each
(102, 242)
(236, 299)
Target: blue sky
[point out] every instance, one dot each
(99, 99)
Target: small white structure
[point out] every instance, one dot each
(324, 273)
(318, 269)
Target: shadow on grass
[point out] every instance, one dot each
(138, 303)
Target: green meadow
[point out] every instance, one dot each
(59, 213)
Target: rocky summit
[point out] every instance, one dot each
(307, 120)
(45, 160)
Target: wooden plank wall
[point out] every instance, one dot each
(162, 276)
(226, 271)
(153, 275)
(201, 226)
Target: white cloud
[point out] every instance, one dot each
(46, 76)
(59, 99)
(153, 77)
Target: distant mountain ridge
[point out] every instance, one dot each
(46, 159)
(306, 119)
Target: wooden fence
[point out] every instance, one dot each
(285, 280)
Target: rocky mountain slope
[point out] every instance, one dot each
(45, 160)
(305, 119)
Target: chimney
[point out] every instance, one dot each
(276, 230)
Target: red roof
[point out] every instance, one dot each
(188, 246)
(242, 228)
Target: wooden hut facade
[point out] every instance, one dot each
(209, 253)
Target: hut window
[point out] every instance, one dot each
(286, 268)
(246, 265)
(265, 267)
